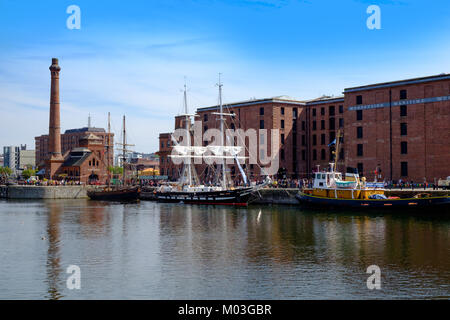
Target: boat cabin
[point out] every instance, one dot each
(326, 179)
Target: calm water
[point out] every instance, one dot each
(166, 251)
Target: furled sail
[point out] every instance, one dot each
(244, 176)
(216, 151)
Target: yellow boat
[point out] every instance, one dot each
(331, 184)
(331, 189)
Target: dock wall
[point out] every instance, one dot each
(263, 196)
(275, 196)
(287, 196)
(43, 192)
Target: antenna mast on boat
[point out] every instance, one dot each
(224, 181)
(336, 152)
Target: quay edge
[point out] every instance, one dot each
(43, 192)
(286, 196)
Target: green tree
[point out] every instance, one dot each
(5, 171)
(26, 174)
(116, 170)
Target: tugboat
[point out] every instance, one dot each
(109, 193)
(332, 190)
(188, 189)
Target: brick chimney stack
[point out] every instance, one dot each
(54, 130)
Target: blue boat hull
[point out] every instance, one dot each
(443, 201)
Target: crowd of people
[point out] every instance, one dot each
(291, 183)
(409, 185)
(308, 183)
(275, 183)
(30, 182)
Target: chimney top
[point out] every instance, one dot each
(55, 66)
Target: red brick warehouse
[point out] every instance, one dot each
(399, 129)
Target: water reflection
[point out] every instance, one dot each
(93, 220)
(171, 251)
(341, 244)
(54, 269)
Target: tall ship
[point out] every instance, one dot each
(333, 189)
(188, 189)
(121, 192)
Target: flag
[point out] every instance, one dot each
(334, 142)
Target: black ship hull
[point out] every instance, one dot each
(236, 197)
(124, 194)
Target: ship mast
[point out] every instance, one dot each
(224, 181)
(124, 145)
(123, 152)
(108, 150)
(188, 134)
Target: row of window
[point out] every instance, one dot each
(322, 139)
(360, 166)
(294, 112)
(403, 112)
(403, 149)
(331, 124)
(403, 130)
(323, 154)
(167, 144)
(314, 154)
(403, 168)
(331, 110)
(403, 94)
(93, 163)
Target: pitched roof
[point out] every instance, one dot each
(442, 76)
(277, 99)
(85, 129)
(76, 157)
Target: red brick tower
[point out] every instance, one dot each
(54, 131)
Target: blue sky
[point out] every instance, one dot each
(131, 57)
